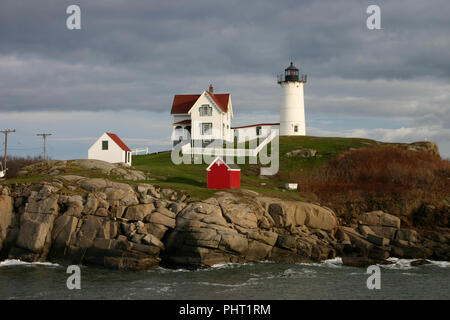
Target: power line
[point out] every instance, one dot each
(5, 132)
(44, 136)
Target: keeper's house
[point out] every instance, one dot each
(110, 148)
(199, 119)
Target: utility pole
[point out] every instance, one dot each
(44, 136)
(5, 132)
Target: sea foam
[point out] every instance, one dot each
(16, 262)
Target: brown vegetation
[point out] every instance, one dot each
(15, 163)
(393, 179)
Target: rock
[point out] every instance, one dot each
(380, 218)
(379, 241)
(426, 146)
(287, 242)
(159, 218)
(238, 213)
(137, 238)
(150, 239)
(357, 239)
(138, 212)
(166, 212)
(91, 204)
(33, 232)
(267, 237)
(342, 236)
(302, 153)
(128, 229)
(74, 205)
(6, 216)
(419, 262)
(63, 230)
(257, 251)
(385, 232)
(360, 262)
(158, 230)
(233, 242)
(412, 252)
(89, 229)
(365, 230)
(320, 218)
(46, 206)
(176, 207)
(296, 213)
(407, 235)
(379, 253)
(92, 185)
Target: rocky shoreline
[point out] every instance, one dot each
(72, 219)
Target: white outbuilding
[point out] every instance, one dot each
(110, 148)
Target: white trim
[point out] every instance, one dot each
(209, 98)
(212, 163)
(219, 158)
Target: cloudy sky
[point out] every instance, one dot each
(120, 71)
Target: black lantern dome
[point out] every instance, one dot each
(291, 73)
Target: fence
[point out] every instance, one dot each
(137, 151)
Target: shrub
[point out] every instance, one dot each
(377, 179)
(15, 163)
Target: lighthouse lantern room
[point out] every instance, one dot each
(292, 105)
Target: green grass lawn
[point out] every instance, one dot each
(191, 178)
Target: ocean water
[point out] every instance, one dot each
(326, 280)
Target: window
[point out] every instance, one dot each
(206, 128)
(258, 131)
(105, 145)
(205, 110)
(295, 128)
(205, 143)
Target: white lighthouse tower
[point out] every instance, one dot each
(292, 107)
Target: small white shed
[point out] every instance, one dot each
(110, 148)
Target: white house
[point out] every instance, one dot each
(202, 118)
(253, 131)
(199, 119)
(109, 147)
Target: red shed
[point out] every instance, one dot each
(222, 175)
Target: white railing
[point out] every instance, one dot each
(223, 152)
(137, 151)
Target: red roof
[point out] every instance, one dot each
(182, 122)
(256, 125)
(182, 103)
(119, 142)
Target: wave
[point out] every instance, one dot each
(405, 264)
(16, 262)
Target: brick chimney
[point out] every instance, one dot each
(211, 88)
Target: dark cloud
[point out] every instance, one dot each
(136, 54)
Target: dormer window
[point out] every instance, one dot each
(205, 110)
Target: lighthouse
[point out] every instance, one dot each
(292, 106)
